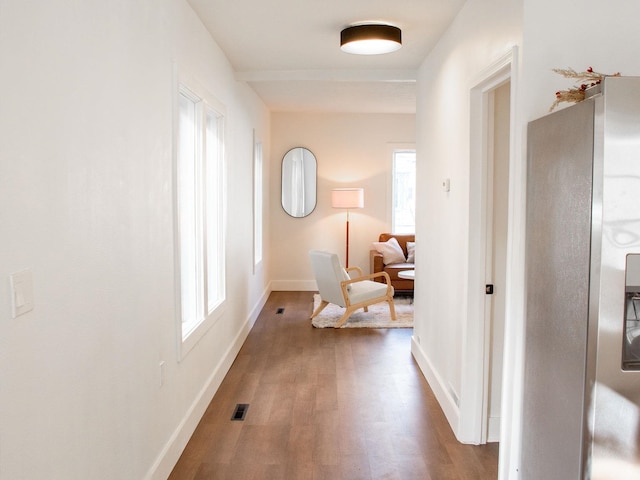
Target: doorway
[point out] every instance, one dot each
(496, 252)
(491, 159)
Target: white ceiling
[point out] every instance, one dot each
(289, 50)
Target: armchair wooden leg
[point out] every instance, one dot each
(321, 307)
(350, 309)
(392, 309)
(345, 316)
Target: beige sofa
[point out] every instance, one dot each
(377, 265)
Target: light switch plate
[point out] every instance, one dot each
(21, 292)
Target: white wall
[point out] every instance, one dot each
(86, 204)
(602, 36)
(550, 34)
(481, 35)
(352, 150)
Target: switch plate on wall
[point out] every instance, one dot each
(21, 292)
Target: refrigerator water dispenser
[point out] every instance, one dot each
(631, 330)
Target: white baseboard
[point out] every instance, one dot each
(294, 286)
(441, 391)
(162, 467)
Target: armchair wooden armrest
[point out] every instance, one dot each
(357, 269)
(370, 276)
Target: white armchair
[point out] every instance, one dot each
(337, 286)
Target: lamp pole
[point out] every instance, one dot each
(347, 198)
(347, 253)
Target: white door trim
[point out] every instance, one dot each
(473, 395)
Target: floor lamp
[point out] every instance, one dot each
(348, 198)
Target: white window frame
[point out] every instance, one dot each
(258, 200)
(394, 150)
(209, 212)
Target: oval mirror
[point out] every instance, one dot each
(299, 168)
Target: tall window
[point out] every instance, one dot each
(404, 191)
(200, 212)
(257, 203)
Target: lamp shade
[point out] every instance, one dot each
(347, 198)
(370, 39)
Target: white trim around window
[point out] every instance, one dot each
(200, 212)
(403, 187)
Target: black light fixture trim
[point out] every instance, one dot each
(374, 31)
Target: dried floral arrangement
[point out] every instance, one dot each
(589, 78)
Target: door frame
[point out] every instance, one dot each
(473, 419)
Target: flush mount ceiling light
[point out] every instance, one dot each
(370, 39)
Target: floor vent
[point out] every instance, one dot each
(240, 412)
(280, 311)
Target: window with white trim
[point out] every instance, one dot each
(404, 191)
(200, 213)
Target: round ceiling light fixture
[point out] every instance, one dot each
(370, 39)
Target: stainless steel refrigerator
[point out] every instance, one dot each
(581, 410)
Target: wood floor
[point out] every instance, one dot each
(327, 404)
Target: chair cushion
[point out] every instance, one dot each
(328, 273)
(346, 276)
(366, 290)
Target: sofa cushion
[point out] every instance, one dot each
(391, 251)
(396, 268)
(402, 238)
(411, 252)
